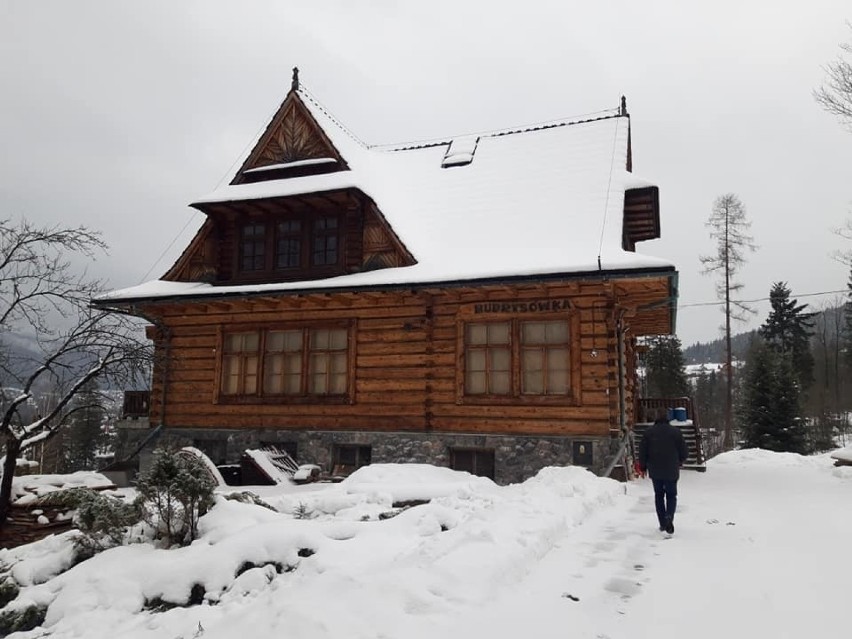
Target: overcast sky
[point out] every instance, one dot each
(118, 114)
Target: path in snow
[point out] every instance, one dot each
(758, 551)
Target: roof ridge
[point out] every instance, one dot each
(305, 93)
(547, 124)
(584, 118)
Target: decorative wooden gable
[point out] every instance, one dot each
(293, 145)
(381, 246)
(198, 261)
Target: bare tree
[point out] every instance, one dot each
(729, 228)
(42, 296)
(835, 95)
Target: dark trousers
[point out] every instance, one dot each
(665, 499)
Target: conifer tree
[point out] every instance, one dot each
(788, 330)
(769, 411)
(710, 399)
(664, 366)
(729, 228)
(847, 323)
(85, 435)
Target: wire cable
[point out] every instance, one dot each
(608, 188)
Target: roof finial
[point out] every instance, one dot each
(623, 105)
(294, 85)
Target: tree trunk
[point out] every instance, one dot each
(13, 450)
(729, 397)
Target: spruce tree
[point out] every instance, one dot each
(788, 330)
(664, 367)
(710, 399)
(769, 411)
(85, 436)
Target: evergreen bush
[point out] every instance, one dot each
(173, 495)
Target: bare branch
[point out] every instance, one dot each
(835, 95)
(41, 295)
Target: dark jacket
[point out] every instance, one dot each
(662, 450)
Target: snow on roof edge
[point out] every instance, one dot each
(161, 289)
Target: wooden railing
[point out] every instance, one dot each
(648, 408)
(136, 404)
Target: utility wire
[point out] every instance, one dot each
(759, 299)
(608, 188)
(228, 171)
(168, 248)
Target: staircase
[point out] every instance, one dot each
(690, 428)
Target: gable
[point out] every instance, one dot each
(197, 263)
(293, 145)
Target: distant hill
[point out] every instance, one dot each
(20, 354)
(714, 352)
(17, 354)
(830, 319)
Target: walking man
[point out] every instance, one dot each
(662, 453)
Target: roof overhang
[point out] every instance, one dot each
(246, 292)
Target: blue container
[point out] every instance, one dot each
(677, 414)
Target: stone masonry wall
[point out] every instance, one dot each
(516, 457)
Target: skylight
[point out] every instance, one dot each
(460, 152)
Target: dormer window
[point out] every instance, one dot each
(291, 247)
(253, 247)
(325, 240)
(288, 248)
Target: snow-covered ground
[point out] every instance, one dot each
(761, 550)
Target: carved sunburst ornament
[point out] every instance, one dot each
(296, 137)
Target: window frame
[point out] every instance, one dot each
(260, 396)
(361, 451)
(266, 246)
(516, 396)
(476, 457)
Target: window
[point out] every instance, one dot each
(325, 241)
(288, 249)
(282, 245)
(286, 362)
(544, 358)
(488, 359)
(215, 449)
(475, 461)
(239, 365)
(252, 247)
(349, 457)
(515, 358)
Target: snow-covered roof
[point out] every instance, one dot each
(544, 199)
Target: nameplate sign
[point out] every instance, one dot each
(531, 306)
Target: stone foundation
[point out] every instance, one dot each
(516, 457)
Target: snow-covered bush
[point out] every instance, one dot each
(21, 620)
(103, 519)
(173, 494)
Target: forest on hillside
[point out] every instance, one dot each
(805, 382)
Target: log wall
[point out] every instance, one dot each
(406, 355)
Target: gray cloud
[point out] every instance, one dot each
(117, 114)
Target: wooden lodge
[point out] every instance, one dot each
(471, 302)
